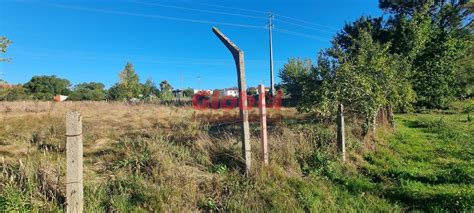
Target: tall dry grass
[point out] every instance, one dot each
(149, 158)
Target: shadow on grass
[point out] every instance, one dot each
(227, 157)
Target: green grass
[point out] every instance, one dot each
(428, 164)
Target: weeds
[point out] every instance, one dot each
(149, 158)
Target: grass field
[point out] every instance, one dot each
(151, 158)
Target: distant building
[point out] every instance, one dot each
(234, 92)
(202, 90)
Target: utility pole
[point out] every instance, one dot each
(270, 28)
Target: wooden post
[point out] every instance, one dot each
(263, 122)
(239, 62)
(341, 138)
(74, 157)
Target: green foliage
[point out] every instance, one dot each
(252, 91)
(166, 91)
(294, 75)
(13, 94)
(420, 56)
(46, 87)
(128, 87)
(362, 75)
(149, 89)
(4, 43)
(432, 36)
(92, 91)
(165, 86)
(189, 92)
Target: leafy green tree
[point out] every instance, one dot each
(166, 91)
(294, 75)
(117, 92)
(46, 87)
(189, 92)
(128, 87)
(92, 91)
(363, 77)
(252, 91)
(165, 86)
(433, 37)
(149, 89)
(4, 43)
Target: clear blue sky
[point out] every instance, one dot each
(91, 40)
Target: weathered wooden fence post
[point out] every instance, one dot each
(341, 138)
(74, 157)
(263, 122)
(244, 115)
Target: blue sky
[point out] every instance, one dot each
(86, 41)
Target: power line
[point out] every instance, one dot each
(232, 8)
(154, 16)
(198, 10)
(306, 22)
(224, 13)
(304, 26)
(300, 34)
(265, 12)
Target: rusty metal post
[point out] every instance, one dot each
(244, 115)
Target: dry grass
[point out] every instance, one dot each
(153, 158)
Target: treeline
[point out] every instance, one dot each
(420, 56)
(128, 87)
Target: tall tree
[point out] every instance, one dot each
(166, 90)
(149, 89)
(363, 76)
(130, 81)
(128, 87)
(294, 76)
(46, 87)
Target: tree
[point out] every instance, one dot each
(117, 92)
(189, 92)
(46, 87)
(149, 89)
(128, 87)
(92, 91)
(13, 94)
(130, 81)
(252, 91)
(4, 43)
(433, 37)
(165, 86)
(166, 91)
(294, 75)
(363, 76)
